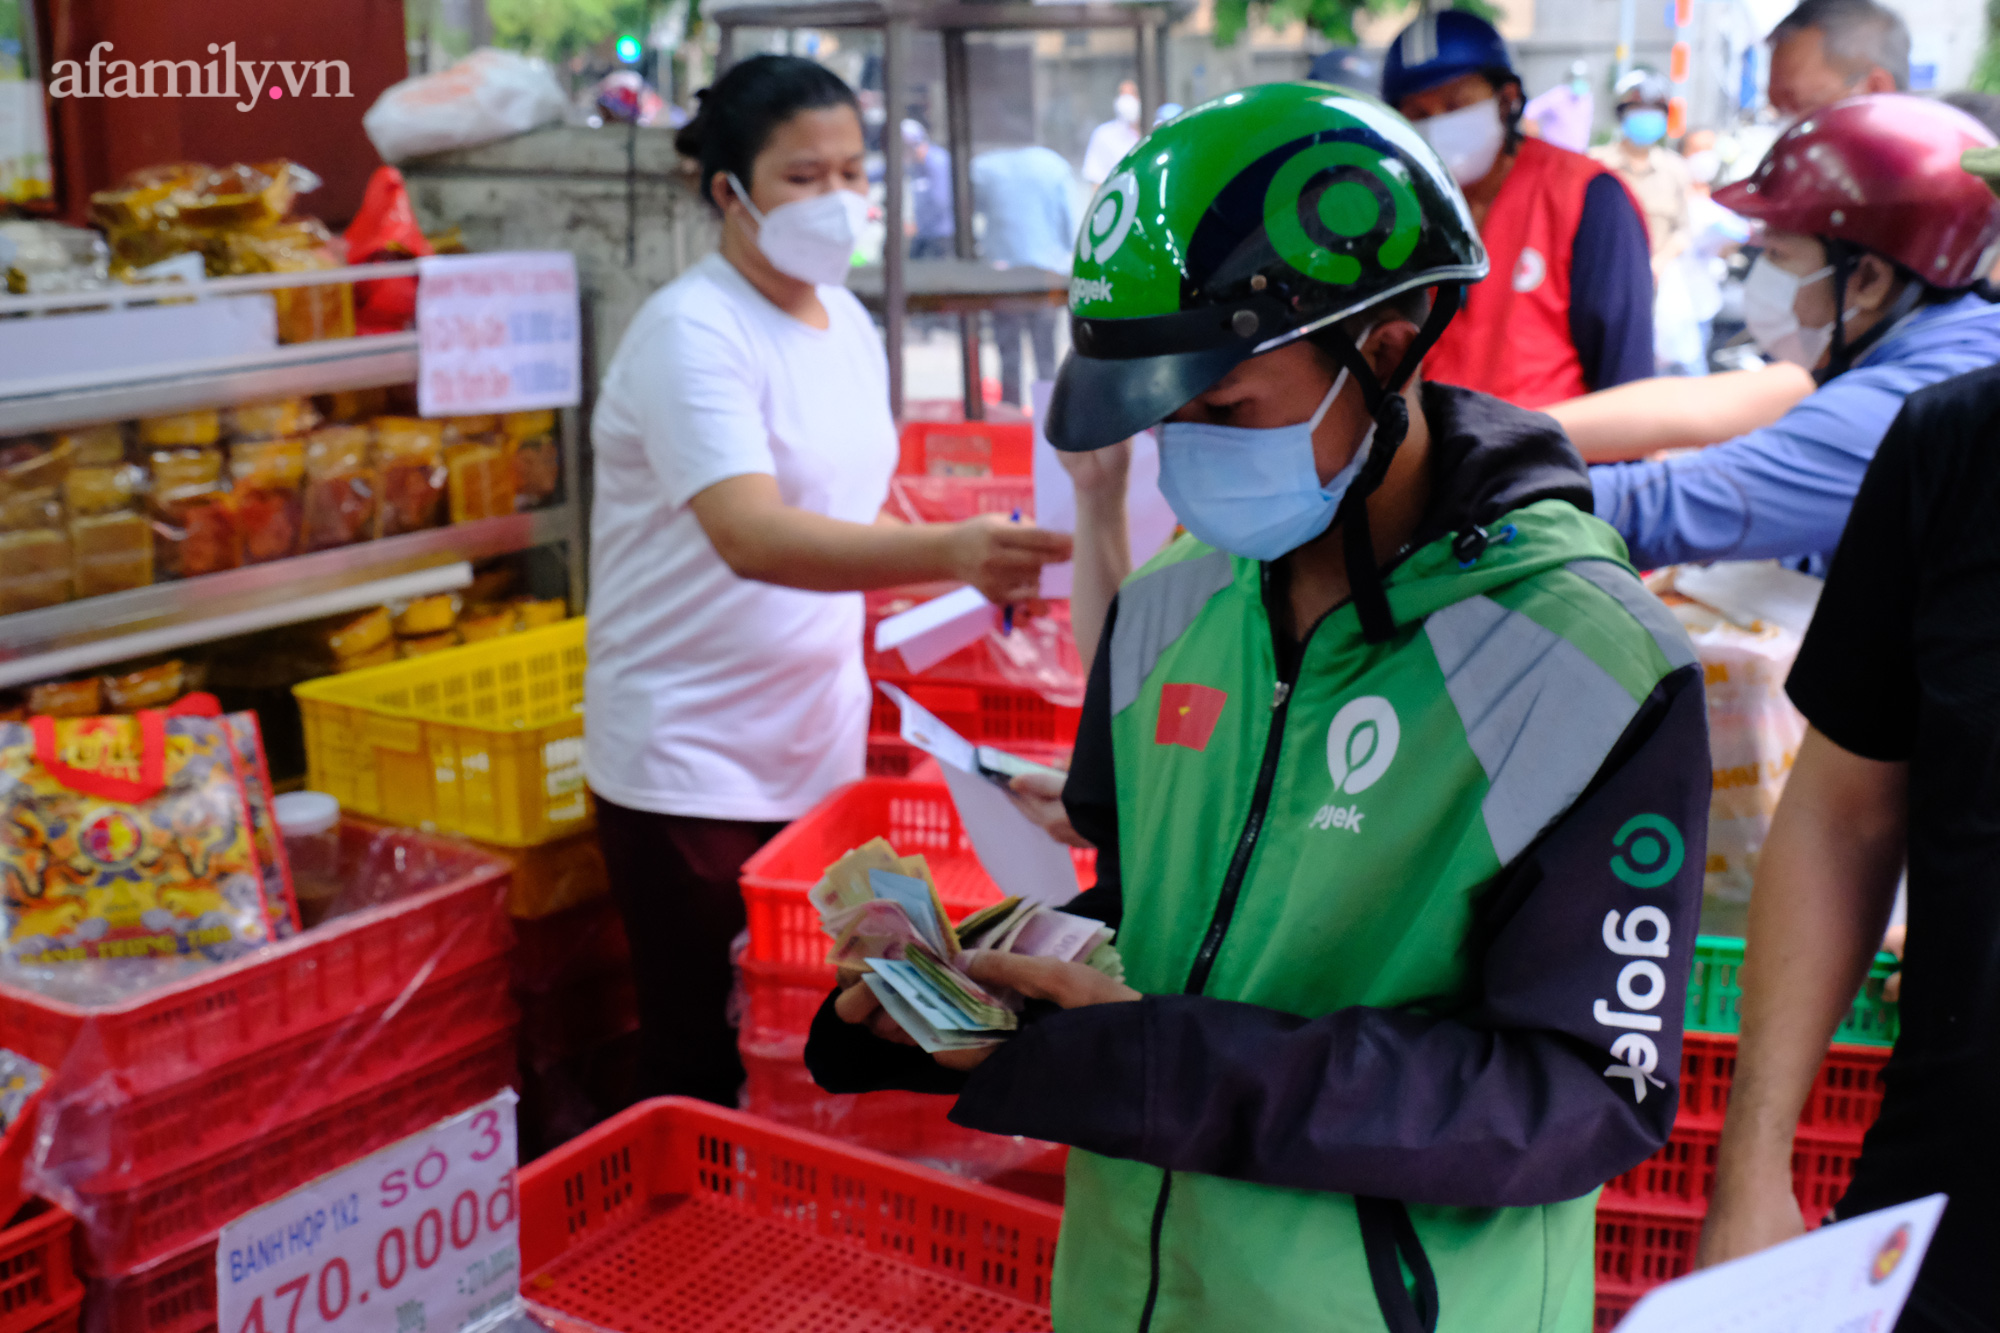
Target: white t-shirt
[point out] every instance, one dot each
(1108, 145)
(710, 695)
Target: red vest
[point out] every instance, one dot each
(1512, 339)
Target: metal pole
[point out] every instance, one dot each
(894, 37)
(725, 53)
(1628, 27)
(958, 132)
(1147, 39)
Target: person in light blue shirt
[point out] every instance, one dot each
(1027, 196)
(930, 194)
(1873, 236)
(1784, 491)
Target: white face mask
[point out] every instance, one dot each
(813, 239)
(1126, 106)
(1769, 293)
(1468, 139)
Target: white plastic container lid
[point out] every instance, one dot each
(304, 813)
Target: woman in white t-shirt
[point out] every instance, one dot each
(743, 451)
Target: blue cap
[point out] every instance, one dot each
(1438, 48)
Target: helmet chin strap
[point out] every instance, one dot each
(1842, 353)
(1392, 422)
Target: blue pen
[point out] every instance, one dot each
(1007, 611)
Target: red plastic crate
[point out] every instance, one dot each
(678, 1215)
(15, 1145)
(1708, 1063)
(1847, 1096)
(278, 994)
(779, 1001)
(102, 1142)
(1613, 1306)
(575, 945)
(1678, 1179)
(1638, 1250)
(67, 1320)
(913, 816)
(131, 1227)
(967, 449)
(1821, 1170)
(955, 499)
(38, 1281)
(174, 1295)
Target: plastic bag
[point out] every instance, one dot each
(385, 230)
(125, 838)
(1746, 630)
(489, 95)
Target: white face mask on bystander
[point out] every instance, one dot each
(1769, 294)
(812, 239)
(1468, 139)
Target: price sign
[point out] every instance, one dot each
(497, 333)
(422, 1235)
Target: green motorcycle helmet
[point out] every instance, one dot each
(1250, 221)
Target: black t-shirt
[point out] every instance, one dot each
(1902, 662)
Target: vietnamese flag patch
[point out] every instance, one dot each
(1188, 714)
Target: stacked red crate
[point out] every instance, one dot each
(1649, 1219)
(173, 1111)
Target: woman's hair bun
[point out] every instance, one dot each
(739, 112)
(690, 137)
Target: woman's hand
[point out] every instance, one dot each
(1069, 985)
(1099, 470)
(1039, 797)
(1004, 559)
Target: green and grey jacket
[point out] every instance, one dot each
(1413, 920)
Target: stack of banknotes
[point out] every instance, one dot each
(888, 923)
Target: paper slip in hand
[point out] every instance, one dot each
(928, 1038)
(931, 631)
(941, 996)
(1849, 1275)
(1023, 860)
(925, 730)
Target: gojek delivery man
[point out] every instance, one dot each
(1398, 778)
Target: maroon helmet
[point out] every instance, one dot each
(1880, 172)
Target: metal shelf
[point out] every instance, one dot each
(77, 636)
(283, 372)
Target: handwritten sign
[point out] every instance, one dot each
(421, 1235)
(498, 333)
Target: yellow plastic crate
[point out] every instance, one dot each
(484, 740)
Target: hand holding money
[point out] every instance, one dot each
(890, 929)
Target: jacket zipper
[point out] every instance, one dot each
(1260, 798)
(1225, 907)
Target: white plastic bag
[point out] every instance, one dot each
(489, 95)
(1746, 625)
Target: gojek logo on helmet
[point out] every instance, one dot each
(1111, 219)
(1649, 852)
(1360, 745)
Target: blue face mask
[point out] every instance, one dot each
(1644, 126)
(1253, 493)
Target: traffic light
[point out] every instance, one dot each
(629, 49)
